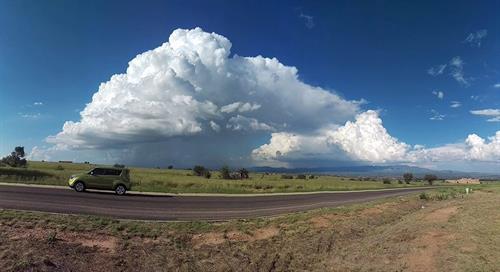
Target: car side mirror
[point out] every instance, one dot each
(92, 173)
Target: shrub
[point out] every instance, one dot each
(286, 177)
(301, 176)
(386, 181)
(60, 168)
(170, 167)
(207, 174)
(199, 170)
(24, 173)
(52, 237)
(424, 196)
(312, 177)
(243, 173)
(225, 173)
(400, 181)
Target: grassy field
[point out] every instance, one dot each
(183, 181)
(443, 230)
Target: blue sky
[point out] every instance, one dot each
(59, 52)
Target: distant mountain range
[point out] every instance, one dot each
(377, 171)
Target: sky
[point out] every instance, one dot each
(276, 83)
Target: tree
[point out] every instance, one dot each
(430, 178)
(19, 150)
(408, 177)
(16, 158)
(170, 167)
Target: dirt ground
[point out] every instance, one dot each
(399, 234)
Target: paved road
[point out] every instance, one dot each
(143, 207)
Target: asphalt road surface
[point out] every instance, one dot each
(141, 207)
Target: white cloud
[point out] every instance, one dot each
(472, 149)
(240, 122)
(439, 94)
(30, 115)
(38, 104)
(364, 140)
(240, 107)
(437, 70)
(475, 38)
(189, 88)
(493, 114)
(436, 116)
(483, 150)
(457, 70)
(308, 20)
(456, 67)
(455, 104)
(214, 126)
(497, 85)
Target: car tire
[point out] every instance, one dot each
(120, 189)
(79, 187)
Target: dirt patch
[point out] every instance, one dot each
(441, 215)
(216, 238)
(426, 252)
(378, 209)
(102, 242)
(320, 222)
(266, 233)
(209, 238)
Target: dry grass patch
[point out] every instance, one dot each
(397, 234)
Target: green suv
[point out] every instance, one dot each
(115, 179)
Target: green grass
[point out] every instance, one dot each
(182, 181)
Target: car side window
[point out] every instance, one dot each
(112, 172)
(98, 171)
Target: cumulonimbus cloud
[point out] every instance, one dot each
(190, 100)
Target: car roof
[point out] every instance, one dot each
(110, 168)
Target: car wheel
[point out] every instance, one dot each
(79, 187)
(120, 190)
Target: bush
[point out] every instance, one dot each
(243, 173)
(286, 177)
(51, 237)
(400, 181)
(386, 181)
(207, 174)
(312, 177)
(60, 168)
(225, 173)
(170, 167)
(24, 173)
(199, 170)
(301, 176)
(424, 196)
